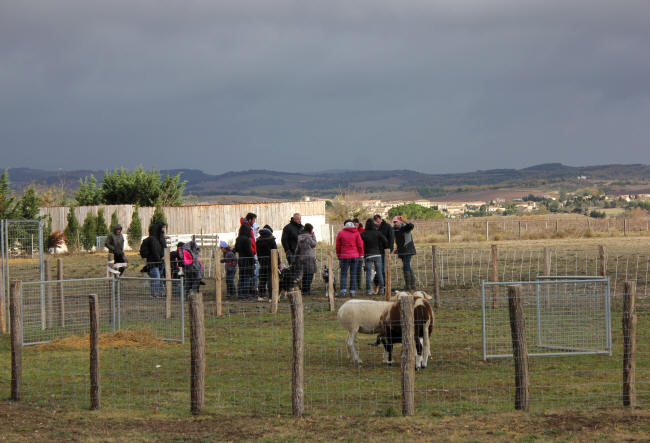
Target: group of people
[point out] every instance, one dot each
(251, 255)
(357, 244)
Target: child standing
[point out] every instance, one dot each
(230, 260)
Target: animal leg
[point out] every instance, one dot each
(418, 358)
(352, 351)
(427, 345)
(389, 351)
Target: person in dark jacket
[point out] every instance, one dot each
(152, 251)
(386, 229)
(290, 235)
(230, 263)
(374, 244)
(265, 244)
(245, 262)
(115, 245)
(405, 249)
(176, 260)
(306, 257)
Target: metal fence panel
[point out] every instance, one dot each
(563, 316)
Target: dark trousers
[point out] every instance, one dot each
(307, 278)
(264, 286)
(230, 282)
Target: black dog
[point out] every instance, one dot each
(289, 279)
(326, 279)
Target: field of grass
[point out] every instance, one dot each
(145, 387)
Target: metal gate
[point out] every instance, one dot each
(21, 251)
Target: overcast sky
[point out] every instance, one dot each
(307, 85)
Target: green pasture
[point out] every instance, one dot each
(249, 370)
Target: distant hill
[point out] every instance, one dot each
(275, 184)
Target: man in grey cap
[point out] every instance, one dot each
(115, 245)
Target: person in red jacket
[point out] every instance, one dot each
(349, 249)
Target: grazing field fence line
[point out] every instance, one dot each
(248, 370)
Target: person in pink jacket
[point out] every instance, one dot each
(349, 250)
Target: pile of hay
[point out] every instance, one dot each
(141, 338)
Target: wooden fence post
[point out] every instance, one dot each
(59, 288)
(48, 294)
(602, 255)
(519, 347)
(436, 276)
(168, 286)
(330, 281)
(95, 391)
(15, 302)
(389, 278)
(557, 226)
(625, 227)
(448, 232)
(197, 351)
(519, 228)
(495, 274)
(406, 305)
(487, 230)
(3, 302)
(217, 284)
(629, 344)
(275, 280)
(547, 261)
(297, 373)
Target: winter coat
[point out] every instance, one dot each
(115, 242)
(265, 244)
(151, 248)
(374, 241)
(349, 243)
(230, 259)
(246, 261)
(290, 235)
(404, 240)
(388, 232)
(305, 255)
(243, 222)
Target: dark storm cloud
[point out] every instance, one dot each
(294, 85)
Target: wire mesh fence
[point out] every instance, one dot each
(248, 356)
(563, 315)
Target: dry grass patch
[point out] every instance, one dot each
(139, 338)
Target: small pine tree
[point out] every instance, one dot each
(101, 228)
(89, 232)
(47, 231)
(72, 231)
(114, 220)
(7, 201)
(158, 217)
(134, 232)
(29, 203)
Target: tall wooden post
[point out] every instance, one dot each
(494, 252)
(448, 232)
(557, 226)
(3, 303)
(602, 256)
(519, 347)
(520, 229)
(547, 261)
(330, 281)
(217, 284)
(629, 344)
(389, 277)
(487, 230)
(168, 286)
(15, 302)
(275, 280)
(436, 276)
(95, 391)
(59, 290)
(48, 294)
(297, 372)
(197, 353)
(406, 305)
(625, 227)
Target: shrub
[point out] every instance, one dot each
(415, 211)
(89, 232)
(72, 231)
(101, 229)
(158, 217)
(114, 220)
(134, 233)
